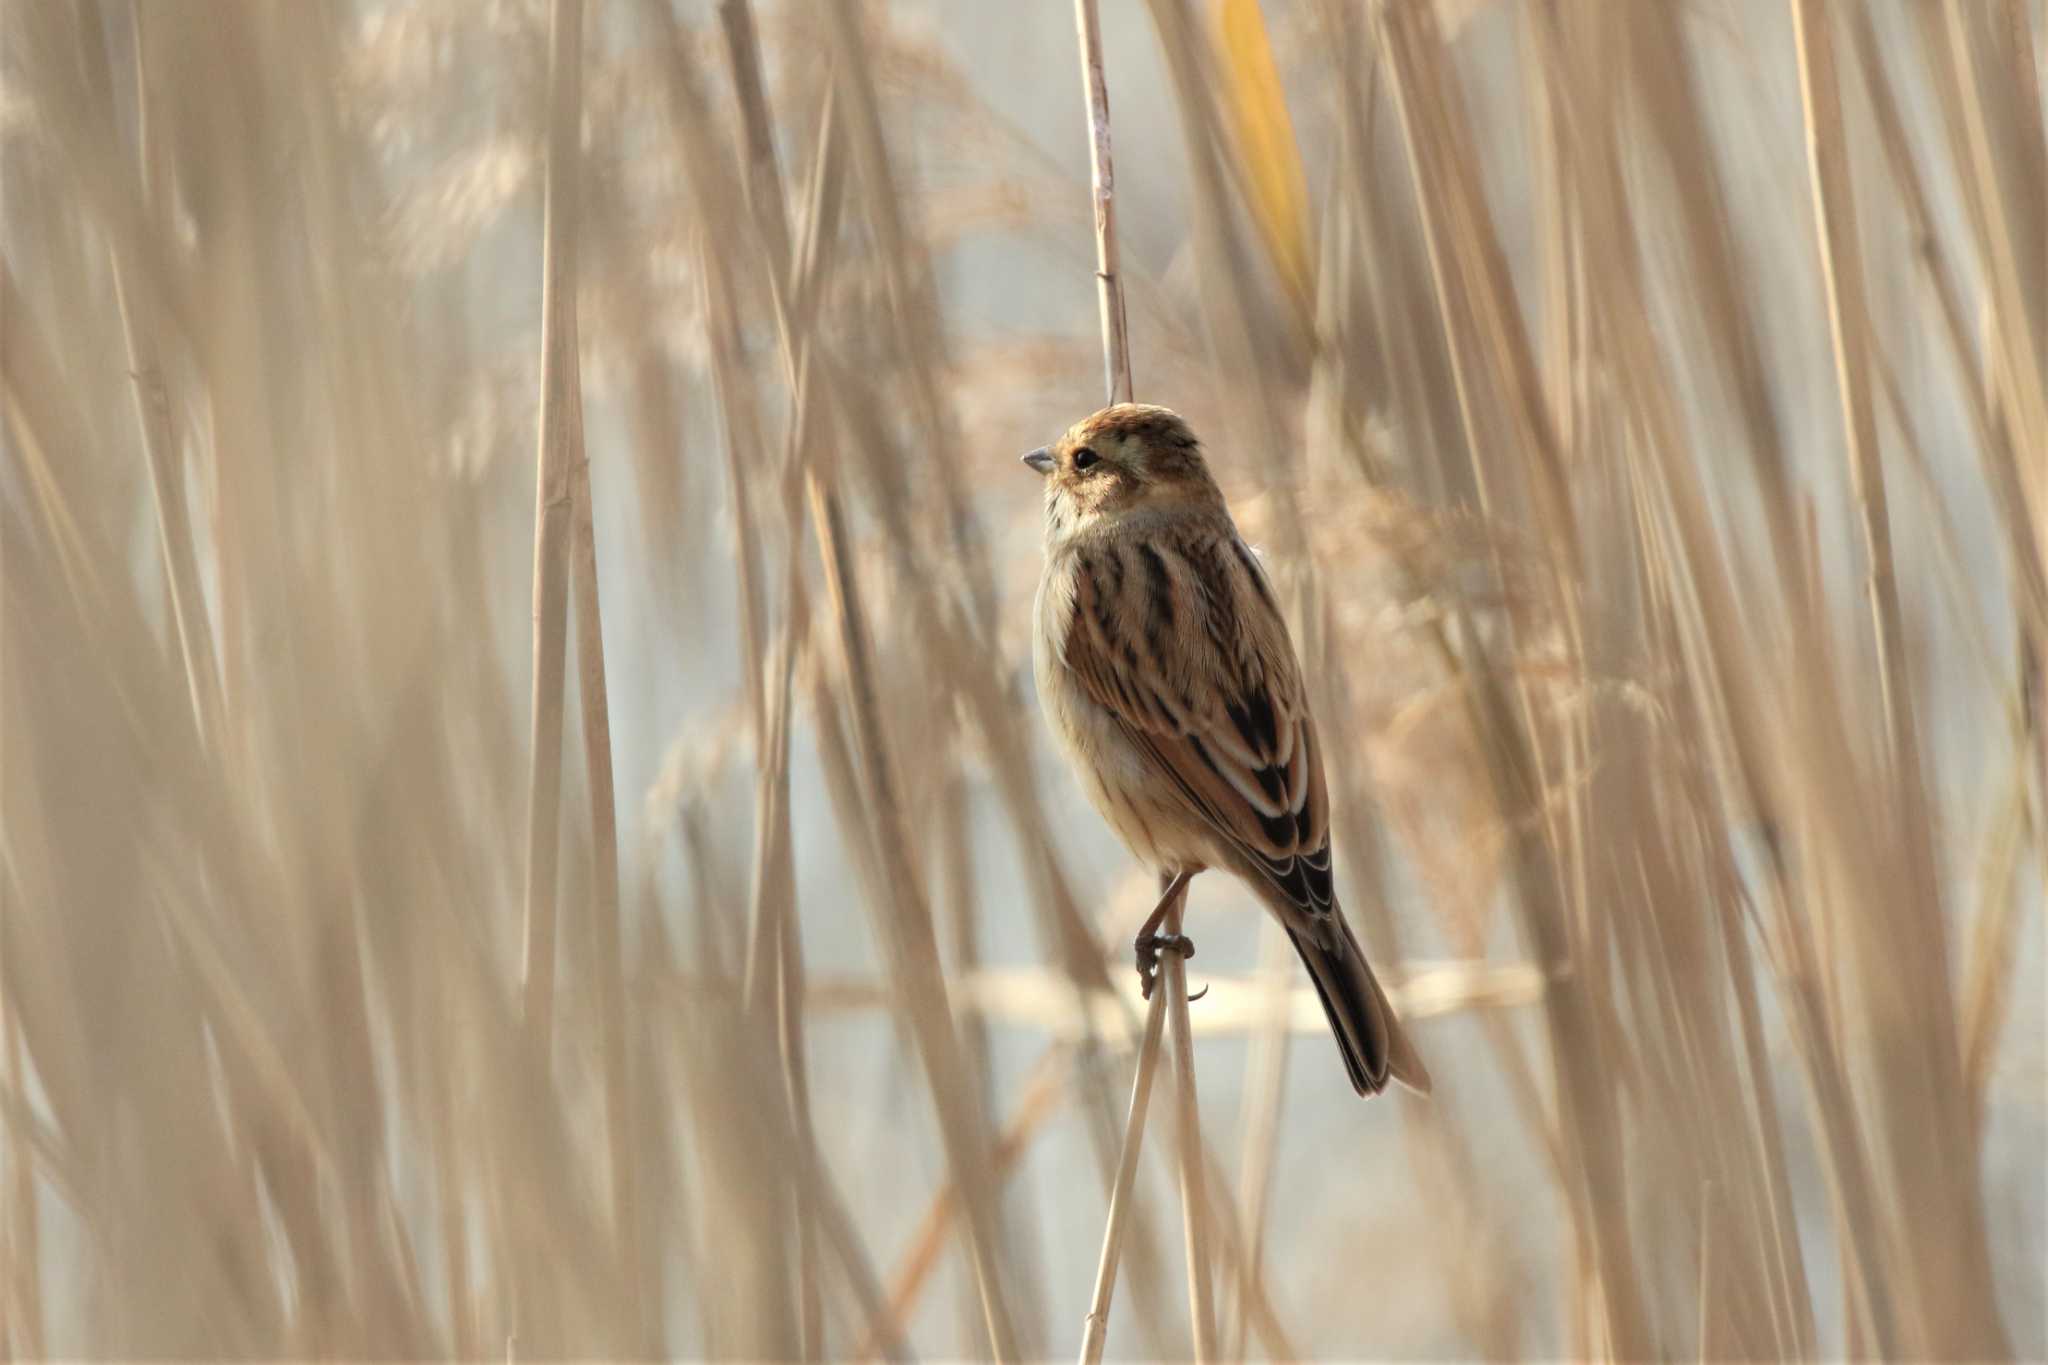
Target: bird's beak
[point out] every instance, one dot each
(1040, 459)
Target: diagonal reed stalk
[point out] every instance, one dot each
(1951, 1311)
(1095, 1327)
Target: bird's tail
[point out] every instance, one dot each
(1367, 1032)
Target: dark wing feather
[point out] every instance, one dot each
(1179, 637)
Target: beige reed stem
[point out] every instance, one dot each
(1194, 1199)
(1116, 342)
(561, 448)
(1096, 1325)
(1172, 995)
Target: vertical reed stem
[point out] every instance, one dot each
(21, 1332)
(1172, 988)
(1116, 342)
(1194, 1199)
(561, 447)
(159, 441)
(604, 901)
(1096, 1326)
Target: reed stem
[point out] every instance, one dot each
(1116, 342)
(1194, 1197)
(561, 448)
(1096, 1326)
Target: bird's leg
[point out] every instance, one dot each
(1150, 942)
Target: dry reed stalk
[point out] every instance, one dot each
(1122, 1191)
(393, 746)
(2001, 471)
(1265, 1083)
(174, 521)
(757, 131)
(778, 936)
(1194, 1197)
(1478, 311)
(454, 1226)
(1240, 342)
(1993, 955)
(777, 930)
(22, 1332)
(1259, 1315)
(1437, 1148)
(1990, 113)
(1927, 1129)
(1116, 341)
(744, 1142)
(1849, 326)
(1173, 982)
(1414, 391)
(716, 187)
(2002, 214)
(1947, 539)
(907, 922)
(955, 888)
(897, 897)
(604, 901)
(961, 631)
(561, 447)
(1035, 1107)
(1725, 670)
(774, 905)
(956, 611)
(774, 983)
(1679, 1032)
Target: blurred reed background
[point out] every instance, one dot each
(1641, 405)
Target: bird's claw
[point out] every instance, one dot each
(1149, 946)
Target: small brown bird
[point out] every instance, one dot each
(1168, 677)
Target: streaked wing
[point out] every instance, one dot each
(1178, 635)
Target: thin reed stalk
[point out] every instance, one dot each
(1926, 1129)
(1116, 340)
(1848, 323)
(1265, 1084)
(604, 900)
(1172, 982)
(897, 899)
(1042, 1098)
(1500, 402)
(561, 450)
(174, 520)
(1122, 1190)
(22, 1292)
(777, 930)
(1256, 1306)
(1194, 1193)
(914, 957)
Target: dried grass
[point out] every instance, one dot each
(1642, 407)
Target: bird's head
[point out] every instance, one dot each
(1123, 459)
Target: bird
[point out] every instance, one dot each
(1168, 679)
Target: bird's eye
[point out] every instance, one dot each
(1085, 458)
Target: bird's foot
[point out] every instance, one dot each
(1149, 946)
